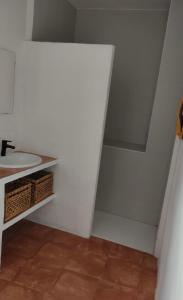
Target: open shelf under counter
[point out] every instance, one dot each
(8, 175)
(28, 211)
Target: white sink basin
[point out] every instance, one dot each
(19, 160)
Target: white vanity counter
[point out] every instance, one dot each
(11, 174)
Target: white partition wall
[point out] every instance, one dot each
(169, 247)
(170, 279)
(62, 113)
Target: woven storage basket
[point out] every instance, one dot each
(17, 198)
(42, 185)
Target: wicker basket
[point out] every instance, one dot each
(17, 198)
(42, 185)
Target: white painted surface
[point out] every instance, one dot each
(7, 80)
(63, 114)
(168, 198)
(12, 33)
(54, 21)
(29, 20)
(12, 23)
(126, 232)
(170, 278)
(138, 37)
(129, 186)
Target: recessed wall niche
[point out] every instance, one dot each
(138, 37)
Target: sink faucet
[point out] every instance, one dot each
(5, 146)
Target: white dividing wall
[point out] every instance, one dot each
(12, 33)
(65, 95)
(170, 239)
(170, 278)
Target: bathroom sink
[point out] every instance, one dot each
(19, 160)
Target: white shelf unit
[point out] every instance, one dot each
(10, 178)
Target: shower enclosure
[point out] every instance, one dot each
(130, 195)
(137, 145)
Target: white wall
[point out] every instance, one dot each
(65, 95)
(29, 20)
(136, 181)
(12, 23)
(170, 277)
(54, 21)
(12, 33)
(170, 238)
(138, 36)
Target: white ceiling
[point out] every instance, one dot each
(120, 4)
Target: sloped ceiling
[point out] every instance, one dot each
(120, 4)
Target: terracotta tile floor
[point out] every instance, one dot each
(40, 263)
